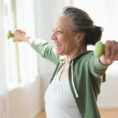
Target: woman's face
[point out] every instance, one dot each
(64, 37)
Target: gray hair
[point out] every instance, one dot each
(81, 22)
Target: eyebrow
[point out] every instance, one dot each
(57, 28)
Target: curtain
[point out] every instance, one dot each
(18, 62)
(28, 65)
(4, 106)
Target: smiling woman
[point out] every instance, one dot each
(75, 83)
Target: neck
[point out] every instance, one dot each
(75, 53)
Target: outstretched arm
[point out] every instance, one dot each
(45, 50)
(41, 46)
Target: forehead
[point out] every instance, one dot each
(62, 22)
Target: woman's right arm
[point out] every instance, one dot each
(45, 50)
(41, 46)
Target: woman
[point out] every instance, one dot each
(76, 81)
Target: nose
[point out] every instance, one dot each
(53, 36)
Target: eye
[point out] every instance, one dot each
(59, 31)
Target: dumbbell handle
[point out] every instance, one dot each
(10, 34)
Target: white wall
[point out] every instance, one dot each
(108, 97)
(24, 101)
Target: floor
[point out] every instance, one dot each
(105, 113)
(41, 114)
(109, 113)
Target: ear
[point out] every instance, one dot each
(80, 37)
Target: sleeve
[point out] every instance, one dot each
(96, 68)
(45, 50)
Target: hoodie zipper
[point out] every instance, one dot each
(75, 90)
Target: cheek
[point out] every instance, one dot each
(63, 41)
(70, 45)
(62, 49)
(67, 47)
(67, 43)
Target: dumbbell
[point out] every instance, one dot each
(10, 34)
(99, 49)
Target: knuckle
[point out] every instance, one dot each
(108, 41)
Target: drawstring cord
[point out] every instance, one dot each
(75, 90)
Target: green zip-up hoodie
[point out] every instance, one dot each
(85, 73)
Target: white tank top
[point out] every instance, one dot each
(59, 100)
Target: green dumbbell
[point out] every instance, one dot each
(99, 49)
(10, 34)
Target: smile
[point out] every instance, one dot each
(57, 44)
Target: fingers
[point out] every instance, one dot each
(107, 49)
(20, 36)
(111, 50)
(116, 56)
(19, 32)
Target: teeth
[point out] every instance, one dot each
(57, 44)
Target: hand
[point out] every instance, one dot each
(20, 36)
(111, 52)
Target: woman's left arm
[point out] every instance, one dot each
(110, 53)
(98, 66)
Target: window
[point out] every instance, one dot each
(21, 60)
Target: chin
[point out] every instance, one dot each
(59, 53)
